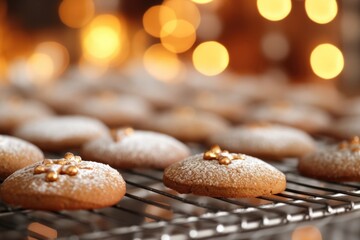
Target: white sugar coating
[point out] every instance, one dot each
(270, 140)
(139, 149)
(95, 176)
(297, 115)
(188, 125)
(15, 111)
(57, 129)
(346, 127)
(15, 154)
(247, 173)
(116, 110)
(330, 162)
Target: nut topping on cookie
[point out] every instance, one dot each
(223, 156)
(68, 165)
(119, 134)
(353, 144)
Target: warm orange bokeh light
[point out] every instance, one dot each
(210, 58)
(274, 10)
(202, 1)
(58, 53)
(327, 61)
(103, 39)
(161, 64)
(185, 10)
(76, 14)
(3, 70)
(321, 11)
(156, 17)
(179, 39)
(40, 67)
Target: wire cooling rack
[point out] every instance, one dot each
(149, 210)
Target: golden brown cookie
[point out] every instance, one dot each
(64, 184)
(16, 110)
(16, 154)
(187, 124)
(307, 118)
(130, 148)
(339, 162)
(218, 173)
(113, 109)
(265, 140)
(60, 133)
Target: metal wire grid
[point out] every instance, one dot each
(151, 211)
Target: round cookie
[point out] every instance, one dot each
(133, 149)
(218, 173)
(334, 163)
(59, 133)
(187, 124)
(265, 140)
(115, 110)
(16, 154)
(229, 106)
(307, 118)
(15, 111)
(64, 184)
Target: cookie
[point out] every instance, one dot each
(322, 95)
(307, 118)
(339, 162)
(115, 110)
(265, 140)
(187, 124)
(229, 106)
(130, 148)
(16, 110)
(61, 133)
(64, 184)
(16, 154)
(218, 173)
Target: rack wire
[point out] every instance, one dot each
(149, 210)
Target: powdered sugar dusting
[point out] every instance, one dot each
(268, 140)
(139, 149)
(239, 173)
(330, 162)
(91, 176)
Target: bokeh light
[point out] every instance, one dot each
(274, 10)
(202, 1)
(103, 39)
(185, 10)
(76, 14)
(58, 54)
(321, 11)
(40, 68)
(327, 61)
(275, 46)
(161, 63)
(306, 233)
(178, 39)
(156, 17)
(210, 58)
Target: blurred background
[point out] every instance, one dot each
(169, 41)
